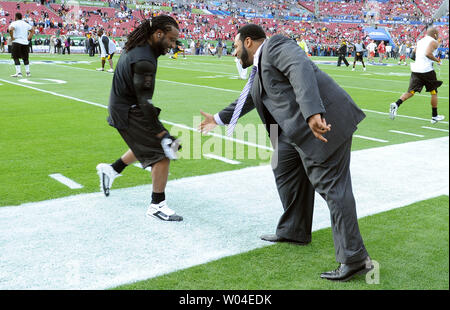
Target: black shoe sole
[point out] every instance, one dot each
(105, 189)
(170, 219)
(286, 241)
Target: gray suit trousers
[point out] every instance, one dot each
(298, 177)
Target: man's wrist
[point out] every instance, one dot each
(218, 120)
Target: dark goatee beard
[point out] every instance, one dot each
(244, 58)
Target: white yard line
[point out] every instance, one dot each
(225, 160)
(238, 91)
(65, 180)
(89, 241)
(406, 133)
(403, 116)
(437, 129)
(370, 138)
(164, 121)
(194, 129)
(386, 91)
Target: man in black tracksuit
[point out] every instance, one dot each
(132, 113)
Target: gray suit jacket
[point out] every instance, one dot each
(288, 89)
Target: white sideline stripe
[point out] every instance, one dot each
(264, 147)
(55, 94)
(385, 91)
(405, 116)
(65, 180)
(195, 130)
(88, 241)
(370, 138)
(238, 92)
(406, 133)
(432, 128)
(164, 121)
(202, 86)
(226, 160)
(191, 85)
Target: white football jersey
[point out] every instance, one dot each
(423, 63)
(111, 47)
(20, 32)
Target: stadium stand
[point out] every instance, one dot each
(334, 22)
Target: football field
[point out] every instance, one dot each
(58, 231)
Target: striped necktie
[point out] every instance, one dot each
(240, 103)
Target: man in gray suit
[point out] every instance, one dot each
(289, 91)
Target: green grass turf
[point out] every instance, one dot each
(410, 244)
(42, 133)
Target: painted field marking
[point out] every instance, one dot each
(238, 91)
(370, 138)
(406, 133)
(52, 81)
(405, 116)
(65, 180)
(225, 160)
(30, 233)
(193, 129)
(432, 128)
(163, 121)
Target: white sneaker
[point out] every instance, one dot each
(107, 174)
(437, 118)
(100, 69)
(353, 69)
(28, 74)
(17, 75)
(163, 212)
(364, 69)
(111, 70)
(393, 110)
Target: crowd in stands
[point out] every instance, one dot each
(119, 17)
(428, 7)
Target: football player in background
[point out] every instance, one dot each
(107, 49)
(423, 74)
(179, 48)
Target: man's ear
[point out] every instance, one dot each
(248, 42)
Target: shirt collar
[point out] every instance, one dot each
(256, 56)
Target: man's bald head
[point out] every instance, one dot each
(433, 32)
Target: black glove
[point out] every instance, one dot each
(170, 145)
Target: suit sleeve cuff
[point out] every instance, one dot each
(218, 120)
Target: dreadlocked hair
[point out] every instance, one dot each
(149, 26)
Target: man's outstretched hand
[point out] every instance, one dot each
(207, 124)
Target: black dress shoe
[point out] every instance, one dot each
(347, 271)
(275, 238)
